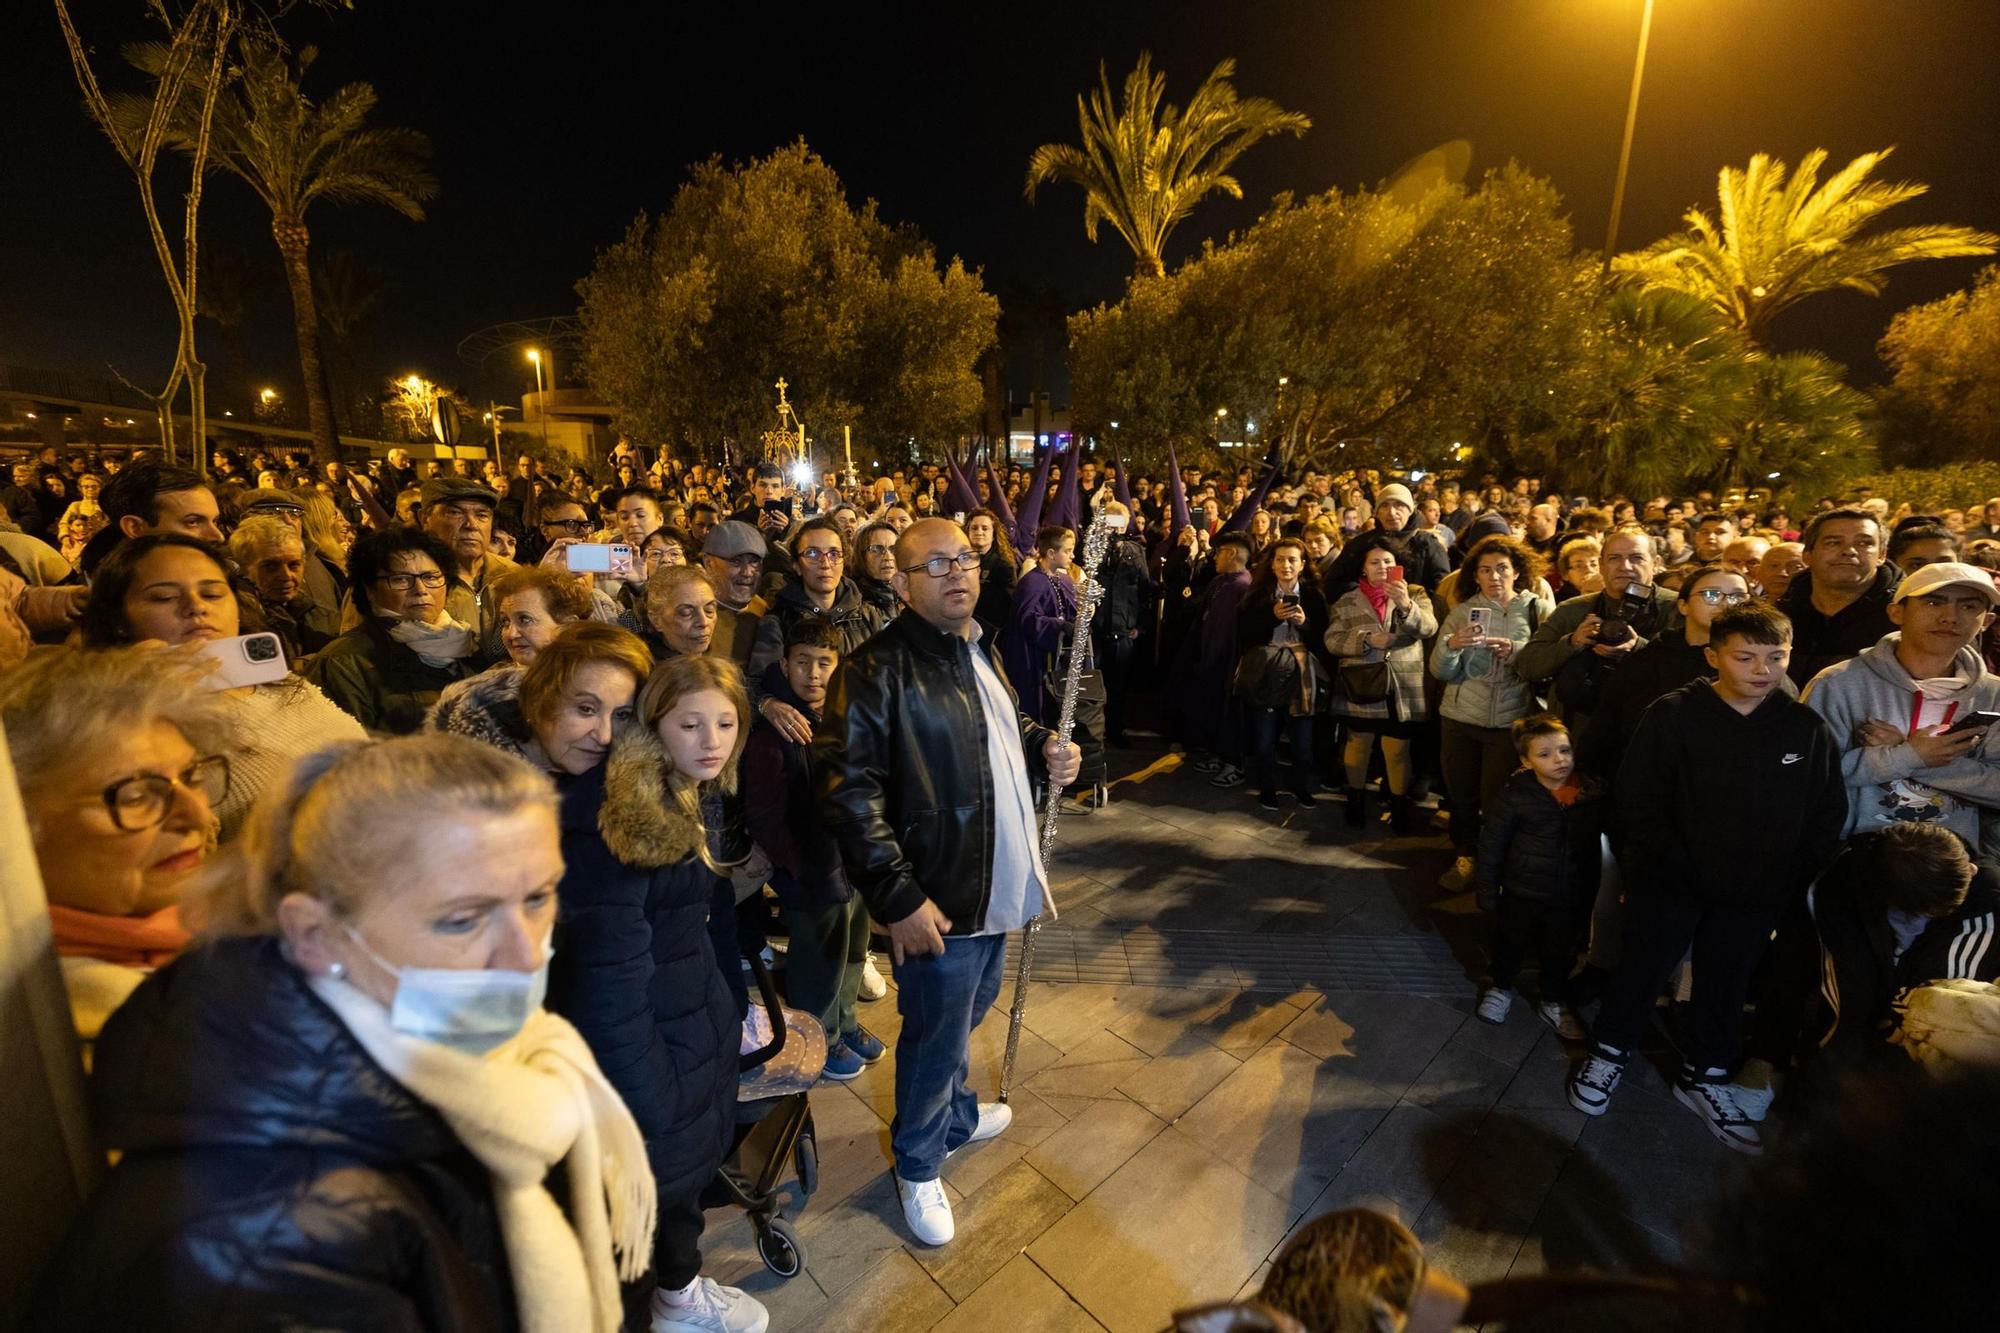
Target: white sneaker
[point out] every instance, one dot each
(926, 1211)
(1716, 1104)
(1494, 1004)
(1456, 878)
(1755, 1103)
(1563, 1019)
(872, 985)
(1591, 1086)
(708, 1307)
(994, 1117)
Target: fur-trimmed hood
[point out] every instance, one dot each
(642, 822)
(487, 708)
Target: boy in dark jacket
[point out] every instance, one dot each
(1537, 870)
(1730, 803)
(829, 928)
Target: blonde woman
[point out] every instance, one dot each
(345, 1107)
(636, 966)
(122, 757)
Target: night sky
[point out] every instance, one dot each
(555, 124)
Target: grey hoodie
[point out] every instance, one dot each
(1887, 783)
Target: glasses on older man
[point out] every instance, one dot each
(140, 803)
(938, 566)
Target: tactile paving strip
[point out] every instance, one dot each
(1409, 964)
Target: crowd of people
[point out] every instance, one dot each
(542, 758)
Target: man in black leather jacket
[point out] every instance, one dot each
(922, 759)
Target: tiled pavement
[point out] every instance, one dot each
(1242, 1020)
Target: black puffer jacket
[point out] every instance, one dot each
(1537, 848)
(902, 777)
(635, 967)
(273, 1177)
(853, 619)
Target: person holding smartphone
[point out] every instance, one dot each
(1376, 635)
(1896, 709)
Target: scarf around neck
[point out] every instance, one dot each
(438, 645)
(537, 1100)
(1377, 598)
(129, 941)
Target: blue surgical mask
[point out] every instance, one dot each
(472, 1010)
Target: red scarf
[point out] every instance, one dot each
(131, 941)
(1378, 597)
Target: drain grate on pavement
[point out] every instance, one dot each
(1408, 964)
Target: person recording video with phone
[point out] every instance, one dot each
(170, 591)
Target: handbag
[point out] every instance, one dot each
(1364, 682)
(1267, 675)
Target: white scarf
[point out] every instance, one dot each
(438, 645)
(537, 1100)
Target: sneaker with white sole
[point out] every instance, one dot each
(1716, 1104)
(706, 1306)
(1593, 1082)
(1460, 875)
(1563, 1019)
(1494, 1004)
(1230, 776)
(994, 1117)
(872, 985)
(926, 1210)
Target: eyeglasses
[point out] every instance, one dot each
(658, 553)
(824, 555)
(405, 582)
(141, 803)
(889, 549)
(568, 524)
(1722, 596)
(288, 511)
(938, 566)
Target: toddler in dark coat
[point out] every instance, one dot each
(1537, 870)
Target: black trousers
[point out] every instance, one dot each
(677, 1242)
(1117, 656)
(1659, 931)
(1476, 761)
(1540, 927)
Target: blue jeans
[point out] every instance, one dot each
(941, 999)
(1266, 724)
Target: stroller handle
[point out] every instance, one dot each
(767, 991)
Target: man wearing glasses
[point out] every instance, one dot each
(459, 512)
(923, 770)
(821, 592)
(732, 555)
(320, 596)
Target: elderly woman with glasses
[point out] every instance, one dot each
(121, 758)
(389, 670)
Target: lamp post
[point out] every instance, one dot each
(541, 394)
(1625, 148)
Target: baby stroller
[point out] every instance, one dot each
(774, 1124)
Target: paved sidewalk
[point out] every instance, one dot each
(1242, 1020)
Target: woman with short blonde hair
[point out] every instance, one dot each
(347, 1104)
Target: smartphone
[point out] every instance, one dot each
(1475, 616)
(783, 507)
(247, 659)
(1290, 599)
(1395, 573)
(613, 558)
(889, 498)
(1971, 722)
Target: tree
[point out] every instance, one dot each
(1143, 166)
(764, 270)
(1796, 426)
(1361, 329)
(1942, 403)
(231, 281)
(345, 294)
(187, 75)
(1783, 237)
(292, 153)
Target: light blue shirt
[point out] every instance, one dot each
(1020, 884)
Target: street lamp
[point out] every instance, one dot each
(1625, 148)
(541, 394)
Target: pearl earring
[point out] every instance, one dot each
(336, 970)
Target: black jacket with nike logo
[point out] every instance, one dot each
(1743, 810)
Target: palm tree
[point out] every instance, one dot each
(293, 152)
(1143, 166)
(1780, 240)
(231, 282)
(346, 294)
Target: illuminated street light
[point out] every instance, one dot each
(268, 396)
(541, 394)
(1625, 148)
